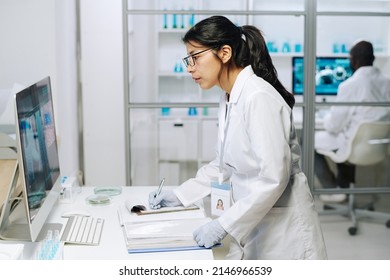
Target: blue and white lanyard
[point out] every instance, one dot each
(222, 151)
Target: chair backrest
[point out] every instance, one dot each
(370, 143)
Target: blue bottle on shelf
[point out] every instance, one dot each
(174, 21)
(192, 111)
(165, 111)
(182, 21)
(165, 23)
(286, 48)
(191, 19)
(178, 67)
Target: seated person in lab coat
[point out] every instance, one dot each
(367, 84)
(269, 213)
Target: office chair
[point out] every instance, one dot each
(368, 146)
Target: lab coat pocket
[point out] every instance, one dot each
(280, 235)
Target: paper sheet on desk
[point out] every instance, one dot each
(163, 235)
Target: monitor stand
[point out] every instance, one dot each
(13, 219)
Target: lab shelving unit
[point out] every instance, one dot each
(163, 134)
(182, 118)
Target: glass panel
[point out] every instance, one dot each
(141, 5)
(143, 147)
(171, 141)
(169, 146)
(230, 5)
(327, 171)
(283, 44)
(336, 34)
(142, 59)
(218, 5)
(156, 70)
(279, 5)
(187, 5)
(353, 6)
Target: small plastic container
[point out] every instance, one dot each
(110, 191)
(98, 199)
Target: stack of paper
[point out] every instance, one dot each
(162, 235)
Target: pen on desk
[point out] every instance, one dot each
(160, 188)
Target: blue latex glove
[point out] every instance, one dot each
(164, 199)
(209, 234)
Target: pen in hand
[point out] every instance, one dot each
(159, 188)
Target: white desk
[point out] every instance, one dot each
(112, 244)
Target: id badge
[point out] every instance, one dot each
(220, 197)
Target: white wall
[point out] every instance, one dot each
(28, 51)
(38, 40)
(66, 83)
(102, 91)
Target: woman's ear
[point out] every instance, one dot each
(225, 53)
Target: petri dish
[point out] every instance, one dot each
(110, 191)
(98, 199)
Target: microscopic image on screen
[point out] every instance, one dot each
(329, 73)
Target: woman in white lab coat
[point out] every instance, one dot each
(272, 215)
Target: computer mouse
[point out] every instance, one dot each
(134, 208)
(77, 212)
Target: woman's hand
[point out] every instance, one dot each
(164, 199)
(209, 234)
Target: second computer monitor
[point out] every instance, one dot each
(330, 72)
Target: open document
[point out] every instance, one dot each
(162, 235)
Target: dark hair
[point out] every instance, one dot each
(248, 48)
(363, 53)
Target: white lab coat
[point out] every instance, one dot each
(273, 215)
(367, 84)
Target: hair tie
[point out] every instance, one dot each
(243, 37)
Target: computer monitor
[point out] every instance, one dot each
(38, 165)
(330, 72)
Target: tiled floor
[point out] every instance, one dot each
(372, 241)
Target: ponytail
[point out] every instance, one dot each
(257, 55)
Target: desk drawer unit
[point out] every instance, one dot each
(178, 140)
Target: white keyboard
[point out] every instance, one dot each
(83, 230)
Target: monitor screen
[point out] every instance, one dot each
(330, 72)
(37, 154)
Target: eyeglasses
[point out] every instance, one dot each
(190, 60)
